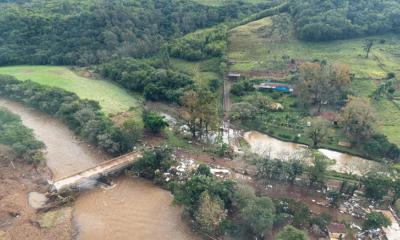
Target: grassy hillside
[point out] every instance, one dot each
(258, 47)
(111, 97)
(263, 50)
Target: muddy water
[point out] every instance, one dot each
(267, 146)
(132, 209)
(65, 155)
(345, 163)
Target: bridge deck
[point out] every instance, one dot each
(92, 173)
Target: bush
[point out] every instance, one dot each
(158, 159)
(376, 220)
(242, 88)
(154, 122)
(285, 136)
(391, 75)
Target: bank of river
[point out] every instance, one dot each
(132, 209)
(345, 163)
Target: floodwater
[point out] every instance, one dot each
(131, 209)
(64, 154)
(265, 145)
(345, 163)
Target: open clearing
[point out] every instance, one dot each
(112, 98)
(201, 71)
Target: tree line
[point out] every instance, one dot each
(72, 32)
(317, 20)
(200, 45)
(156, 82)
(84, 117)
(19, 138)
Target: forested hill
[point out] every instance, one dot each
(324, 20)
(83, 32)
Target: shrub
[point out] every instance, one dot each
(376, 220)
(154, 122)
(158, 159)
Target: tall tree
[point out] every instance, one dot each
(321, 84)
(318, 131)
(358, 119)
(367, 46)
(199, 110)
(258, 215)
(318, 169)
(210, 214)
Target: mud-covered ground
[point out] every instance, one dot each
(18, 220)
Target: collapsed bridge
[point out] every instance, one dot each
(104, 168)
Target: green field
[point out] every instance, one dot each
(201, 71)
(112, 98)
(255, 47)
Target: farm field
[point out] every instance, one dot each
(258, 48)
(111, 97)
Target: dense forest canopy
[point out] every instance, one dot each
(71, 32)
(323, 20)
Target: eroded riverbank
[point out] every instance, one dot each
(132, 209)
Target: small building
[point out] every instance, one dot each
(234, 76)
(277, 87)
(337, 231)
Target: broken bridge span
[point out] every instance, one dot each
(104, 168)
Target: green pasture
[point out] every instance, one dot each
(255, 47)
(112, 98)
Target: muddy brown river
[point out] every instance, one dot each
(130, 209)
